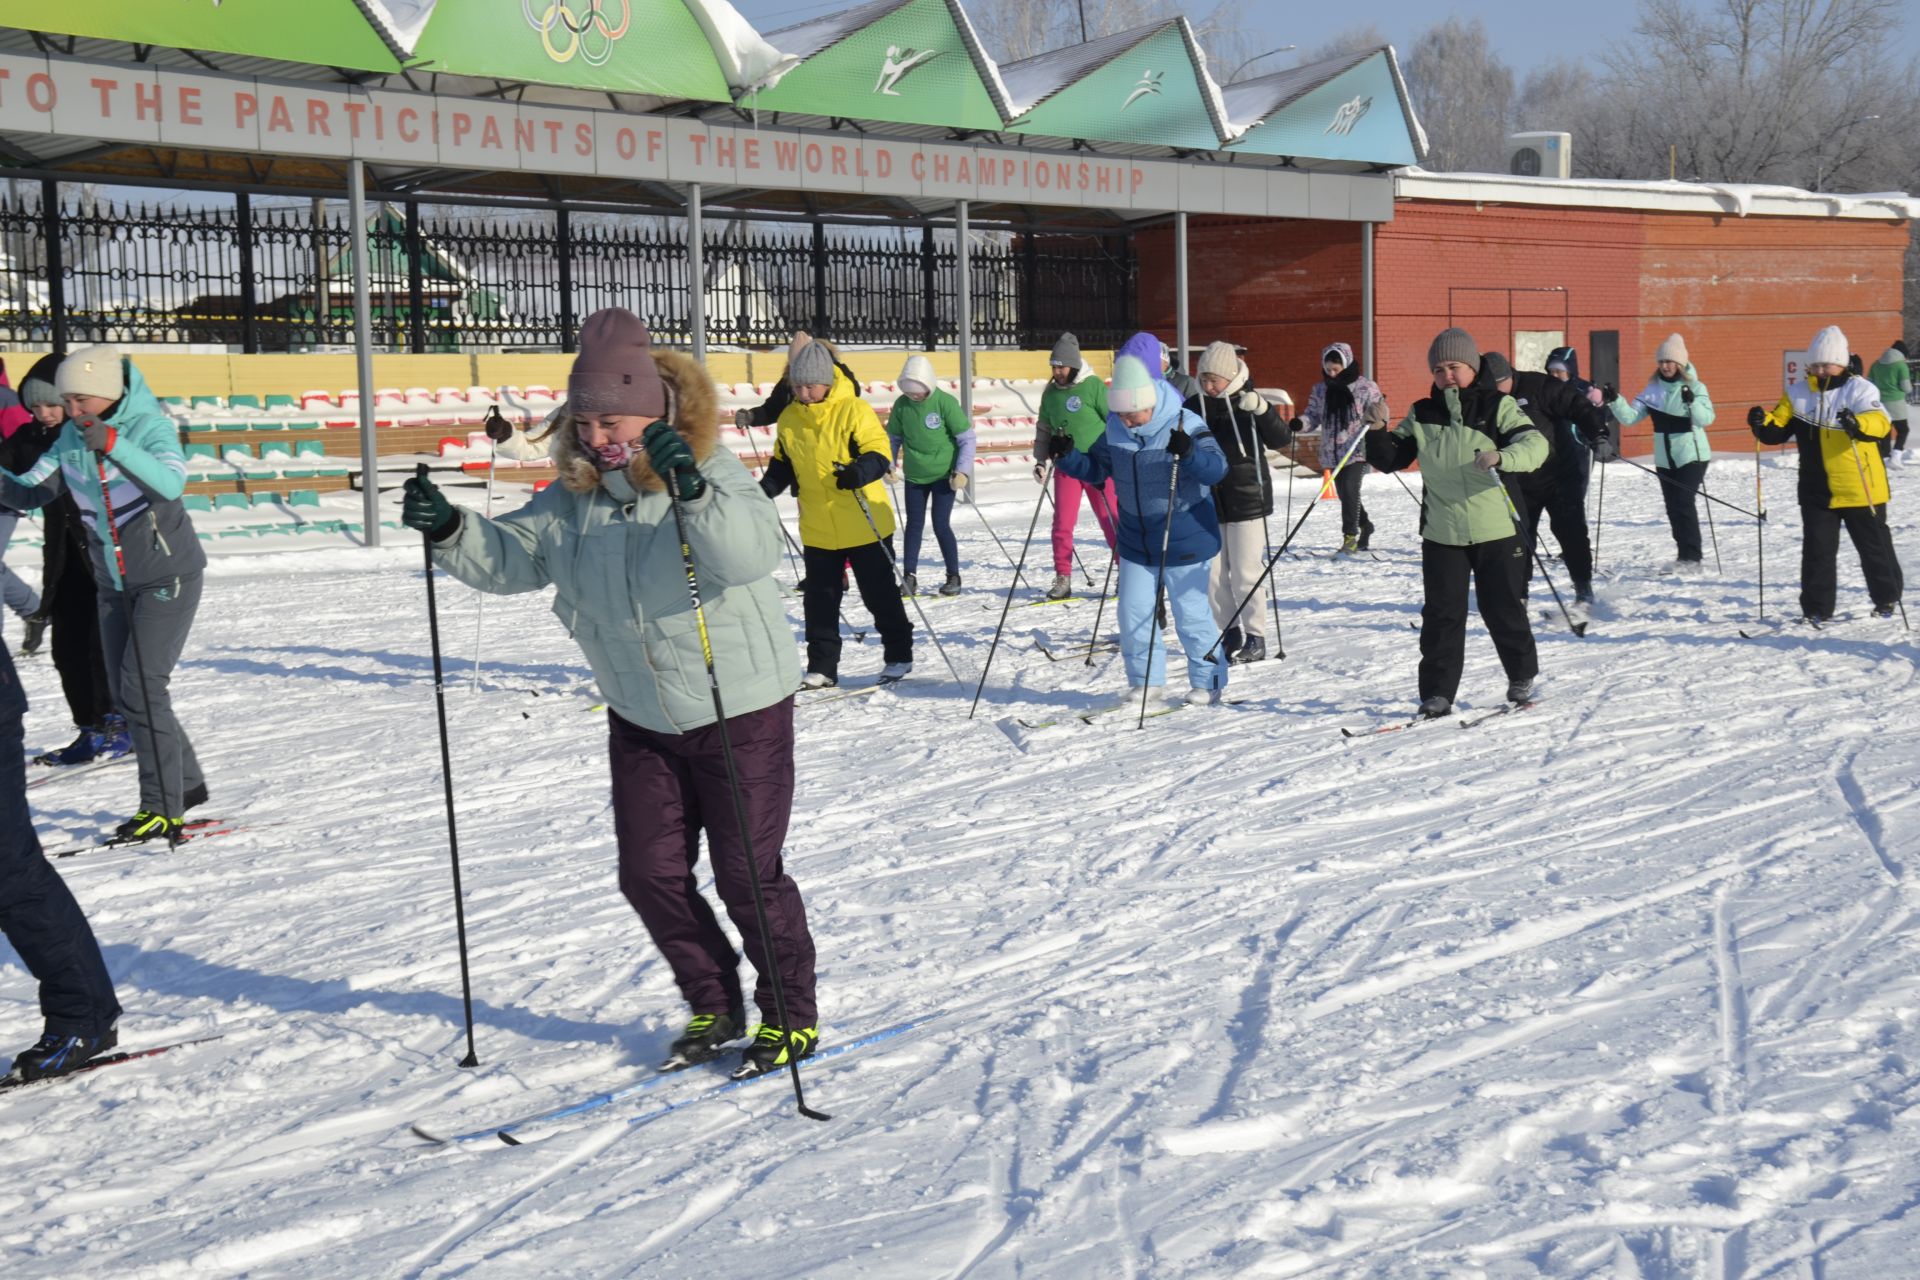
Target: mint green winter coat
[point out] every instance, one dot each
(607, 544)
(1462, 505)
(1679, 429)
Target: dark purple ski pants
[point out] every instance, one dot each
(667, 789)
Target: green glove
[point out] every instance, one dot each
(425, 508)
(673, 462)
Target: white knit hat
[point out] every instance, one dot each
(1674, 349)
(96, 371)
(1133, 386)
(1220, 360)
(1829, 346)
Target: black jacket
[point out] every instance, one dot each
(1564, 415)
(1247, 491)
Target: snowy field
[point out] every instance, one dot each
(1624, 985)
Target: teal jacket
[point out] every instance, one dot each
(608, 545)
(1679, 428)
(146, 473)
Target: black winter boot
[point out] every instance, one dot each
(705, 1038)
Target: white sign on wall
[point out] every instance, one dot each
(210, 111)
(1793, 368)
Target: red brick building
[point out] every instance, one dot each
(1525, 264)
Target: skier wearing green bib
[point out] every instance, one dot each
(933, 443)
(1073, 404)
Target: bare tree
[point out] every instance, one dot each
(1354, 39)
(1463, 94)
(1017, 29)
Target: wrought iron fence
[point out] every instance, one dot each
(449, 278)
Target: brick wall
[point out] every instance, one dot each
(1742, 290)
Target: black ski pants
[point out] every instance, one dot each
(1820, 553)
(77, 656)
(1353, 512)
(873, 573)
(1498, 572)
(38, 914)
(1680, 487)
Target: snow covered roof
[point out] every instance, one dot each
(1738, 199)
(1031, 81)
(1085, 91)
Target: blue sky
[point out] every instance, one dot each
(1524, 32)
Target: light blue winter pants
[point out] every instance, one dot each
(14, 592)
(1192, 618)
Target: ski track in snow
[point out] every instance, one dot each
(1624, 987)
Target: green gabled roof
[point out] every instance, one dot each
(1147, 86)
(904, 61)
(1349, 108)
(652, 47)
(334, 33)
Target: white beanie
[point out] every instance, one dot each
(1829, 346)
(1133, 386)
(1674, 349)
(1220, 360)
(95, 371)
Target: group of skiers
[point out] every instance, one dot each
(661, 548)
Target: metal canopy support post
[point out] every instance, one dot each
(363, 349)
(1181, 319)
(563, 260)
(819, 264)
(249, 300)
(56, 266)
(1366, 300)
(416, 284)
(963, 303)
(696, 272)
(929, 318)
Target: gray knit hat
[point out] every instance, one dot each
(1454, 345)
(811, 366)
(614, 372)
(1495, 366)
(38, 388)
(1066, 352)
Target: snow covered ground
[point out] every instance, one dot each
(1625, 985)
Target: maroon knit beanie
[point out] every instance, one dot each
(614, 372)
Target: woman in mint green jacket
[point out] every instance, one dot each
(1681, 410)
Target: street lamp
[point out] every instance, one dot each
(1285, 48)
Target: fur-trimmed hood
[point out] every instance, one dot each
(693, 410)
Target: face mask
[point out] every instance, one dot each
(611, 457)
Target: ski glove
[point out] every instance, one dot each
(1756, 417)
(425, 508)
(99, 436)
(498, 429)
(1610, 392)
(847, 476)
(742, 419)
(1850, 424)
(1686, 396)
(673, 461)
(1179, 443)
(1059, 446)
(958, 481)
(1603, 447)
(1250, 402)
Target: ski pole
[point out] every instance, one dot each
(1274, 559)
(739, 805)
(1017, 575)
(1273, 589)
(1520, 531)
(1099, 607)
(1760, 528)
(900, 586)
(1256, 452)
(1159, 587)
(127, 601)
(1711, 531)
(493, 464)
(1013, 586)
(1668, 480)
(1599, 514)
(446, 777)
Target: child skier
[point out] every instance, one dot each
(1073, 404)
(1836, 419)
(831, 450)
(1147, 435)
(1681, 410)
(1245, 426)
(929, 428)
(606, 538)
(1467, 524)
(1341, 406)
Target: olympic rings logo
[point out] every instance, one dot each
(589, 37)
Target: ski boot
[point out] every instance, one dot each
(909, 585)
(1203, 697)
(58, 1055)
(1583, 593)
(1366, 534)
(818, 680)
(35, 633)
(1254, 650)
(894, 672)
(705, 1039)
(951, 587)
(115, 740)
(1231, 641)
(1883, 611)
(147, 825)
(773, 1048)
(1520, 692)
(1350, 545)
(1435, 707)
(1062, 587)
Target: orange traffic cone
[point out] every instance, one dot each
(1326, 485)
